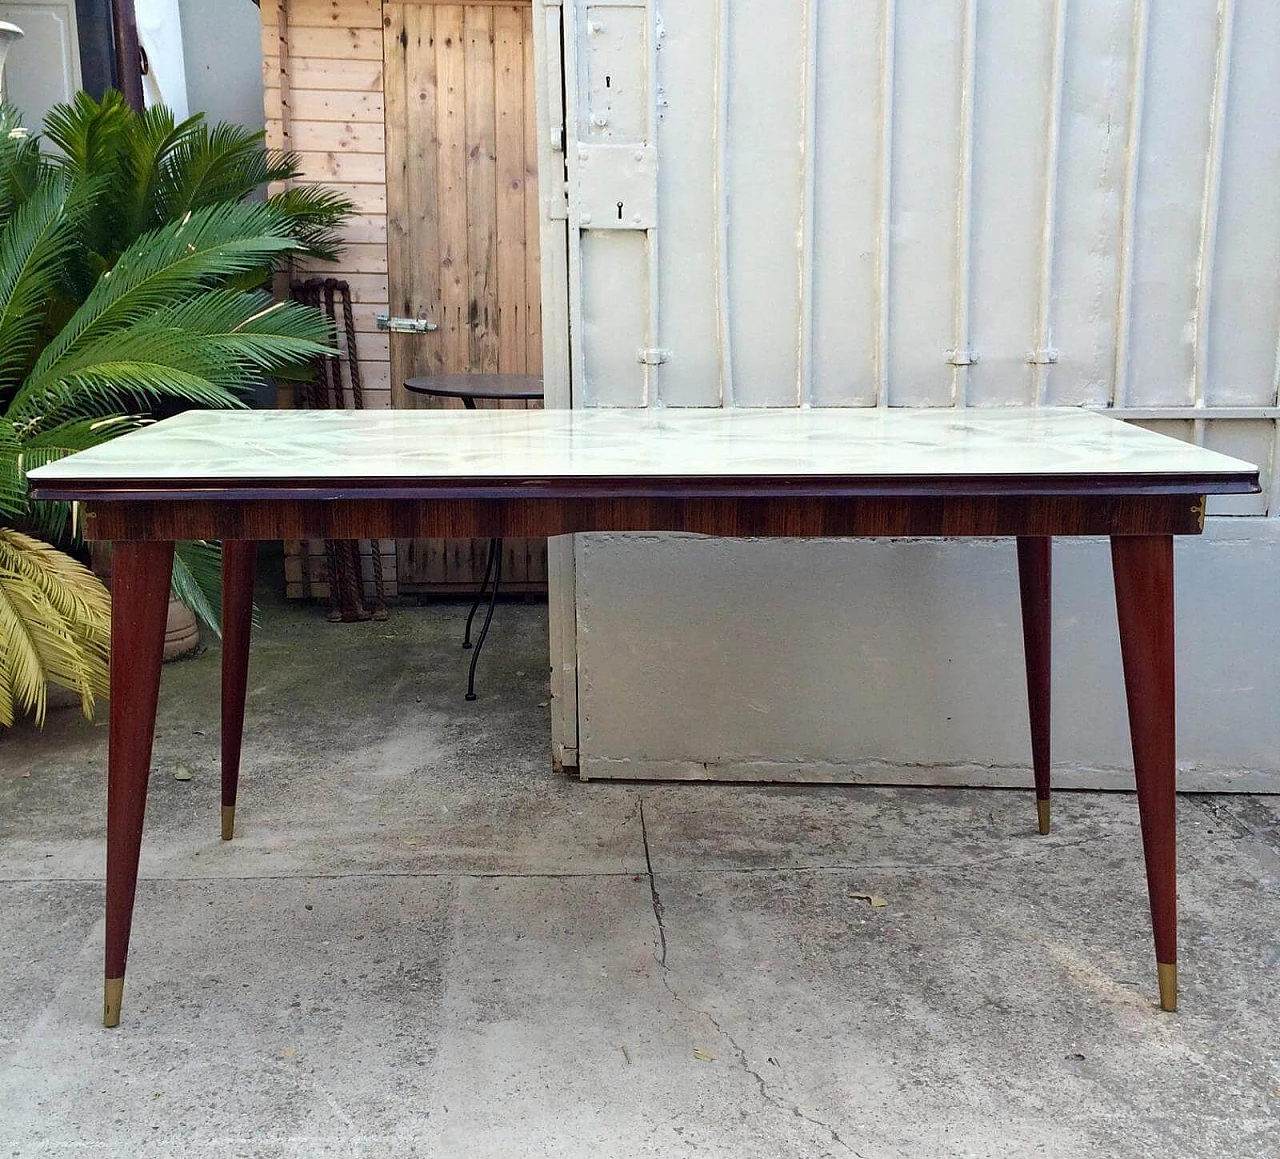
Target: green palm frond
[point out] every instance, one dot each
(150, 140)
(315, 217)
(197, 581)
(55, 620)
(105, 388)
(89, 134)
(220, 163)
(165, 266)
(254, 327)
(35, 243)
(22, 166)
(13, 483)
(206, 352)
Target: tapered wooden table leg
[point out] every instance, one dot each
(1035, 580)
(1143, 568)
(139, 605)
(239, 564)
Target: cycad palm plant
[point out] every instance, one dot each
(126, 267)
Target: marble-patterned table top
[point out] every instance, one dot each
(230, 447)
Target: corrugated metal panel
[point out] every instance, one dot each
(938, 203)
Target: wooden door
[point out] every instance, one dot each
(462, 227)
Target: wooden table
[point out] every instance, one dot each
(241, 477)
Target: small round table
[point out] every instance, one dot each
(468, 388)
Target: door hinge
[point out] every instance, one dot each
(962, 357)
(653, 356)
(1046, 357)
(404, 325)
(557, 208)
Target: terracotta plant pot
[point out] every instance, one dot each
(181, 633)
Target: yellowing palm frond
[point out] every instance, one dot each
(55, 627)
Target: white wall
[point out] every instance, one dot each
(222, 42)
(925, 203)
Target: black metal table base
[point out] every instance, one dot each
(492, 570)
(467, 388)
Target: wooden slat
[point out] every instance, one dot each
(329, 41)
(532, 320)
(326, 106)
(472, 4)
(345, 168)
(327, 136)
(365, 314)
(354, 259)
(319, 74)
(451, 189)
(369, 198)
(335, 13)
(370, 288)
(509, 226)
(374, 347)
(413, 247)
(365, 228)
(481, 189)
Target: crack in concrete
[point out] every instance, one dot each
(655, 898)
(740, 1054)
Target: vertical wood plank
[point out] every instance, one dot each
(481, 149)
(412, 242)
(509, 225)
(451, 187)
(532, 319)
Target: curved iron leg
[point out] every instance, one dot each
(484, 629)
(495, 550)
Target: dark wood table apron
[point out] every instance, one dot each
(1141, 517)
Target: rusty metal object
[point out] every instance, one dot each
(328, 391)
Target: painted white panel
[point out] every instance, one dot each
(764, 196)
(845, 203)
(687, 197)
(1091, 175)
(925, 182)
(617, 105)
(1014, 50)
(872, 668)
(614, 316)
(1251, 441)
(43, 68)
(1181, 57)
(1245, 306)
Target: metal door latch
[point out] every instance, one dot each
(404, 325)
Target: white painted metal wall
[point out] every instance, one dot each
(913, 203)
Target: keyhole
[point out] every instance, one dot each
(608, 82)
(619, 210)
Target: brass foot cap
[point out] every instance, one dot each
(1167, 974)
(228, 822)
(112, 996)
(1042, 812)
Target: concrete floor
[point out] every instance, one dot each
(423, 942)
